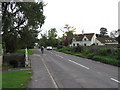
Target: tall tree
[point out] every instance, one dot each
(19, 18)
(43, 40)
(69, 33)
(52, 34)
(103, 31)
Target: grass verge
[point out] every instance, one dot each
(104, 59)
(18, 79)
(30, 52)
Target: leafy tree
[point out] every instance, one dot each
(20, 22)
(52, 34)
(50, 39)
(43, 41)
(69, 33)
(115, 33)
(103, 31)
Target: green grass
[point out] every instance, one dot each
(18, 79)
(108, 59)
(30, 52)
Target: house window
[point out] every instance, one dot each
(85, 39)
(73, 44)
(96, 43)
(77, 44)
(84, 44)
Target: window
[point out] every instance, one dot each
(77, 44)
(73, 44)
(74, 39)
(85, 39)
(84, 44)
(96, 43)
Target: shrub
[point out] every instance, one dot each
(15, 60)
(90, 55)
(104, 51)
(59, 46)
(78, 49)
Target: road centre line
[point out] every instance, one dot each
(115, 80)
(59, 56)
(78, 64)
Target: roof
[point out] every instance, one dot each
(79, 37)
(106, 39)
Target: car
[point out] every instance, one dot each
(49, 47)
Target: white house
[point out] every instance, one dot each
(83, 39)
(89, 39)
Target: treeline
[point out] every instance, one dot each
(49, 38)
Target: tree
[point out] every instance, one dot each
(50, 39)
(52, 34)
(118, 39)
(69, 33)
(103, 31)
(43, 40)
(19, 18)
(114, 34)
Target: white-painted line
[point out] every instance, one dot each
(59, 56)
(115, 80)
(78, 64)
(55, 84)
(36, 80)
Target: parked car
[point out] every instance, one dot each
(49, 48)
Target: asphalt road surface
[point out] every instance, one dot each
(59, 70)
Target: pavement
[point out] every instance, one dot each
(59, 70)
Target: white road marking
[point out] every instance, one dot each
(115, 80)
(78, 64)
(55, 84)
(36, 80)
(59, 56)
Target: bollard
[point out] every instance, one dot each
(27, 63)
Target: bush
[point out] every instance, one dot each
(15, 60)
(59, 46)
(104, 51)
(90, 55)
(78, 49)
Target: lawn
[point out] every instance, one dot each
(23, 51)
(18, 79)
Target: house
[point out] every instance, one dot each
(89, 39)
(105, 41)
(83, 39)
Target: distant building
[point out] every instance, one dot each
(89, 39)
(106, 41)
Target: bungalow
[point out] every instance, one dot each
(89, 39)
(106, 41)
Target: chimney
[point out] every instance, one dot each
(83, 31)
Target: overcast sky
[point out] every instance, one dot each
(87, 15)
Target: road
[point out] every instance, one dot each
(59, 70)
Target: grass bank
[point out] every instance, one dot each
(18, 79)
(30, 52)
(101, 54)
